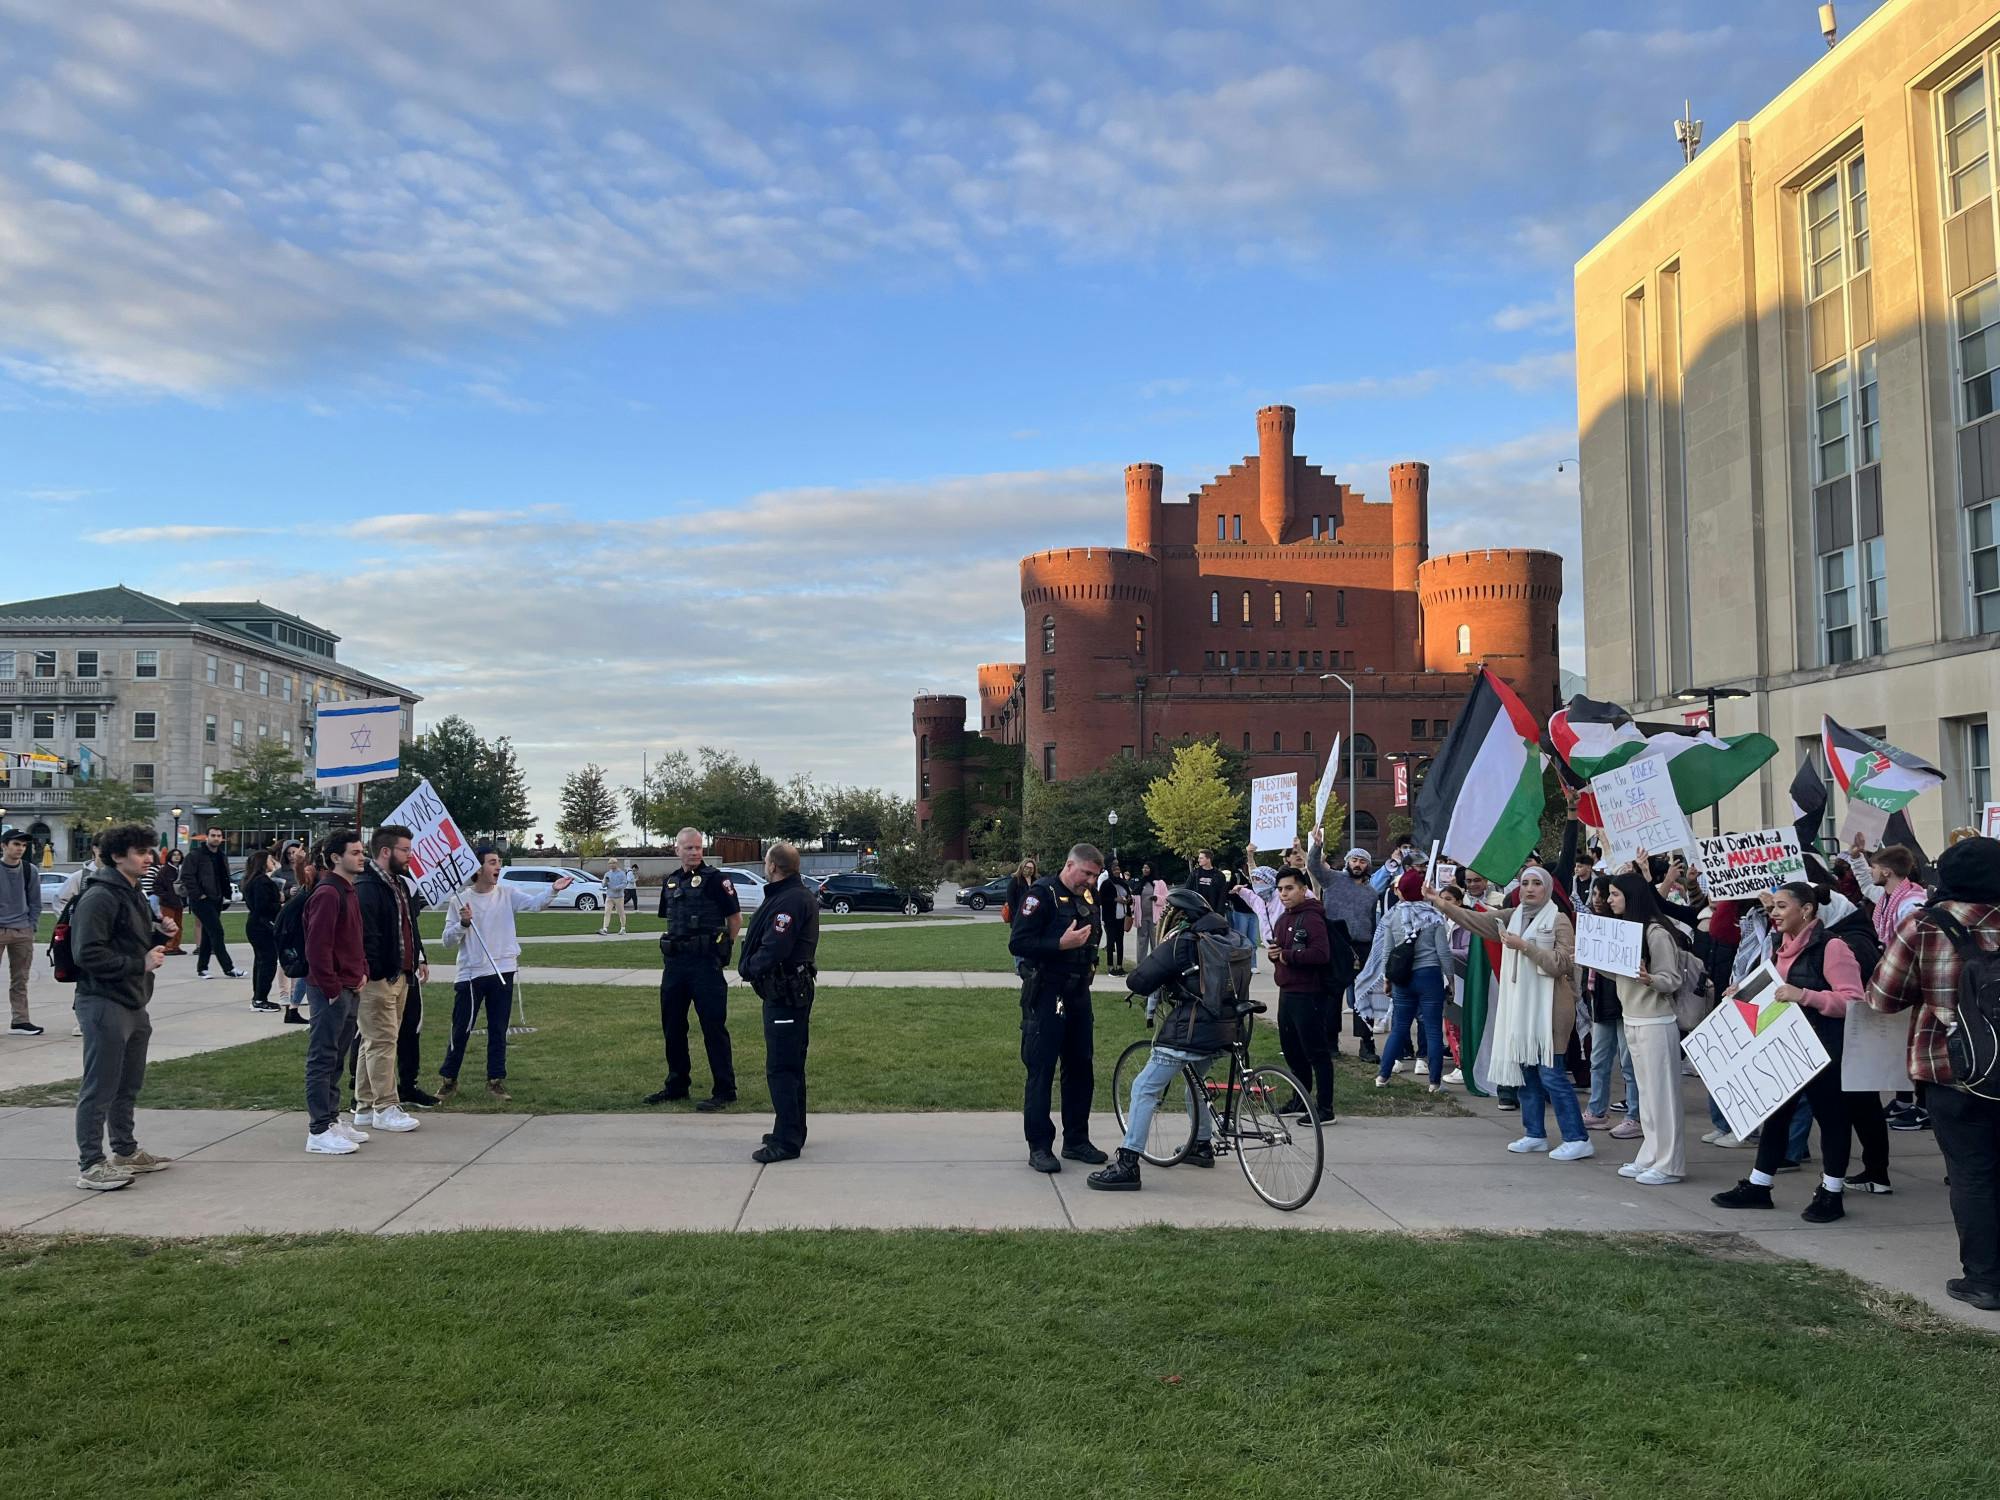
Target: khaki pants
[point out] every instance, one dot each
(381, 1018)
(1655, 1046)
(19, 943)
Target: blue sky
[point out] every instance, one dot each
(627, 377)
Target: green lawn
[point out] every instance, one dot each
(1149, 1363)
(965, 947)
(556, 923)
(596, 1049)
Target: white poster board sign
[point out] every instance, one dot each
(360, 740)
(1609, 945)
(1444, 875)
(1742, 866)
(1875, 1051)
(1274, 811)
(1989, 820)
(441, 859)
(1326, 788)
(1752, 1058)
(1640, 811)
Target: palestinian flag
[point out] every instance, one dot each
(1483, 798)
(1591, 738)
(1475, 1047)
(1873, 771)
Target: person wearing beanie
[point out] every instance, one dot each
(1920, 972)
(1410, 957)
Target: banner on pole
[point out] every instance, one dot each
(1641, 811)
(360, 740)
(1741, 866)
(441, 860)
(1402, 776)
(1326, 787)
(1754, 1057)
(1274, 811)
(1609, 945)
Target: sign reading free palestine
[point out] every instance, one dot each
(1754, 1057)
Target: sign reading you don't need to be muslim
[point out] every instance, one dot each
(1739, 866)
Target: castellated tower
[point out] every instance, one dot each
(1497, 608)
(1277, 486)
(938, 720)
(1091, 635)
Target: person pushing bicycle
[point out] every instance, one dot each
(1201, 1025)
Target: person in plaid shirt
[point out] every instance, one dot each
(1919, 972)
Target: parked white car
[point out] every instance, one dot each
(749, 885)
(585, 893)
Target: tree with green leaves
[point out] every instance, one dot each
(908, 854)
(481, 781)
(101, 803)
(268, 790)
(1192, 807)
(664, 805)
(800, 815)
(589, 806)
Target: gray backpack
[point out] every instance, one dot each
(1222, 965)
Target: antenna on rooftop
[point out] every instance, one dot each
(1829, 27)
(1687, 130)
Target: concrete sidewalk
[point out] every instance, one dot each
(888, 924)
(246, 1172)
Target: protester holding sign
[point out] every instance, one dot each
(479, 922)
(1534, 1009)
(1821, 975)
(1647, 1002)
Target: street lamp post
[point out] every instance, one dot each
(1353, 827)
(177, 827)
(1112, 819)
(1712, 696)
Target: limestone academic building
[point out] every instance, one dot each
(1222, 616)
(1788, 388)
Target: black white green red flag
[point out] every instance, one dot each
(1483, 799)
(1591, 738)
(1874, 771)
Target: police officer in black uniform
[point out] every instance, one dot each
(1055, 936)
(703, 916)
(778, 963)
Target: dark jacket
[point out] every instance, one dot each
(381, 924)
(1307, 949)
(167, 884)
(783, 936)
(110, 932)
(205, 874)
(1044, 915)
(262, 897)
(334, 957)
(1213, 887)
(1173, 968)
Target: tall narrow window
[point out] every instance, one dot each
(1967, 153)
(146, 664)
(1465, 640)
(1246, 606)
(1048, 635)
(1235, 528)
(1138, 635)
(1966, 178)
(1340, 606)
(1277, 741)
(1214, 607)
(1221, 527)
(1048, 762)
(1048, 690)
(1277, 608)
(1309, 606)
(1315, 528)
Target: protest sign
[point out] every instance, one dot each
(1274, 811)
(1741, 866)
(1326, 786)
(1989, 820)
(1875, 1051)
(1609, 944)
(1753, 1058)
(1443, 875)
(441, 861)
(360, 740)
(1637, 802)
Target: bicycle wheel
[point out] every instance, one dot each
(1171, 1135)
(1282, 1156)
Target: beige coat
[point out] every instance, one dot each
(1558, 962)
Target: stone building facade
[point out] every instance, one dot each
(1224, 615)
(1788, 389)
(161, 697)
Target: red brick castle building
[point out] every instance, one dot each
(1219, 616)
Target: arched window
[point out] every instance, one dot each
(1277, 741)
(1364, 827)
(1246, 739)
(1048, 635)
(1277, 607)
(1214, 608)
(1138, 635)
(1246, 606)
(1465, 640)
(1362, 752)
(1309, 742)
(1309, 606)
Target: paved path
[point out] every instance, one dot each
(246, 1172)
(888, 924)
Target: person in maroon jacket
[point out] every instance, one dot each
(1301, 951)
(336, 967)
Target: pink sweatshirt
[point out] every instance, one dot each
(1836, 962)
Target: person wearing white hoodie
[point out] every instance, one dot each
(479, 922)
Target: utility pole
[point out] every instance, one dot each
(1687, 130)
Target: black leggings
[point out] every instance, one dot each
(264, 961)
(1114, 942)
(1829, 1107)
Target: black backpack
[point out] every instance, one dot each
(1401, 966)
(291, 936)
(62, 952)
(1972, 1036)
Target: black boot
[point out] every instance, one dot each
(1122, 1176)
(1200, 1154)
(1825, 1207)
(1746, 1194)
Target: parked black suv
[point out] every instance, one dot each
(859, 891)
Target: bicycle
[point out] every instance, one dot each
(1282, 1157)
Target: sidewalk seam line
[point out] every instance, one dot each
(448, 1176)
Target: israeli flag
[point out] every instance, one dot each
(360, 740)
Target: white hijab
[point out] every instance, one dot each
(1524, 998)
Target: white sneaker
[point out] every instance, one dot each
(1730, 1141)
(347, 1132)
(363, 1116)
(1630, 1169)
(1528, 1143)
(1572, 1151)
(393, 1119)
(330, 1142)
(1710, 1137)
(1456, 1075)
(1652, 1177)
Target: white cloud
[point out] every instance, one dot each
(1553, 316)
(128, 535)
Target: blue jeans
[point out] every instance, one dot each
(1551, 1082)
(1152, 1083)
(1422, 999)
(1245, 923)
(1800, 1141)
(1607, 1045)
